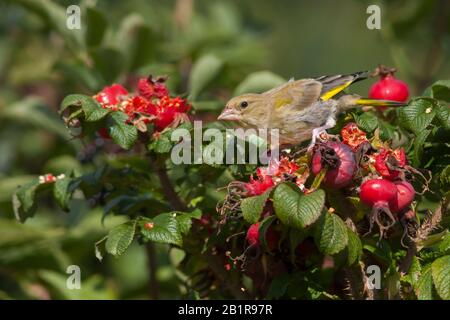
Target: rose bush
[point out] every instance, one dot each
(374, 192)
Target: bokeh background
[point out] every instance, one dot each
(41, 61)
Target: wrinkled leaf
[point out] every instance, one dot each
(296, 209)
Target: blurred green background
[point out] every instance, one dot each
(41, 61)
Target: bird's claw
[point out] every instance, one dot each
(321, 136)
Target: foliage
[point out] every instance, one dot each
(104, 186)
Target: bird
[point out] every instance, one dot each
(300, 109)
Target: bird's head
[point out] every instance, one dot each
(241, 108)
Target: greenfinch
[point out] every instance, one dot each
(301, 109)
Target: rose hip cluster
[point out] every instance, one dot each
(384, 187)
(353, 163)
(152, 104)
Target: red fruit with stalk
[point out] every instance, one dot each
(379, 194)
(388, 87)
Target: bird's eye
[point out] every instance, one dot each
(244, 104)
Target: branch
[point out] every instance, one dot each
(153, 281)
(169, 191)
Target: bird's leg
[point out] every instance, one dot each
(331, 122)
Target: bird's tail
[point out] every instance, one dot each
(350, 101)
(378, 103)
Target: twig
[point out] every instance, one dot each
(153, 281)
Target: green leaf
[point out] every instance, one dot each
(414, 272)
(184, 220)
(24, 200)
(418, 146)
(443, 114)
(386, 130)
(258, 82)
(354, 248)
(425, 289)
(439, 90)
(120, 238)
(367, 121)
(444, 245)
(123, 134)
(417, 115)
(162, 144)
(278, 286)
(331, 235)
(294, 208)
(252, 207)
(204, 71)
(380, 249)
(165, 229)
(73, 100)
(93, 111)
(96, 25)
(62, 191)
(440, 270)
(444, 177)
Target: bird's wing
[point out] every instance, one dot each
(332, 85)
(289, 99)
(295, 95)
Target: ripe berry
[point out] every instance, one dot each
(388, 87)
(339, 161)
(405, 195)
(378, 193)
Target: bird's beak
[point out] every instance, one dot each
(229, 114)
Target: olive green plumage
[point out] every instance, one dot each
(299, 109)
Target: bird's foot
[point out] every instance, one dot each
(317, 135)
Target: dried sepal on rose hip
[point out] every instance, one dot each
(339, 162)
(266, 177)
(390, 163)
(353, 136)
